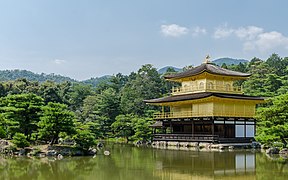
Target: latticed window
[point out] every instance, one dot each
(228, 87)
(210, 85)
(201, 85)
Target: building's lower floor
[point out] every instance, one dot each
(209, 129)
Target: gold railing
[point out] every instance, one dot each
(188, 114)
(194, 89)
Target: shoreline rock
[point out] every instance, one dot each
(45, 150)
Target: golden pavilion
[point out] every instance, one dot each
(207, 107)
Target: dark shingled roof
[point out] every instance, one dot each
(206, 67)
(194, 96)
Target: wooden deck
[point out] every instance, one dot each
(199, 138)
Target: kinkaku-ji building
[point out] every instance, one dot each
(207, 107)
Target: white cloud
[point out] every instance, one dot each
(197, 31)
(253, 38)
(59, 61)
(173, 30)
(266, 41)
(222, 32)
(249, 32)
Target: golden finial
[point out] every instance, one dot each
(207, 59)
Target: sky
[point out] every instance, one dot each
(91, 38)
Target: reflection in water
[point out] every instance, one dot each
(128, 162)
(206, 164)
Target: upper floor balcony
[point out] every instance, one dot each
(190, 114)
(207, 88)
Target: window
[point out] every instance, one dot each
(210, 85)
(228, 87)
(201, 85)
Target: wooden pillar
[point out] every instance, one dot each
(245, 129)
(224, 128)
(171, 130)
(254, 127)
(192, 127)
(212, 126)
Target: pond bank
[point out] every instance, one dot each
(8, 148)
(217, 147)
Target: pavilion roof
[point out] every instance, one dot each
(206, 67)
(194, 96)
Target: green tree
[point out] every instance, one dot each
(84, 136)
(49, 91)
(56, 119)
(141, 127)
(102, 110)
(78, 93)
(20, 140)
(21, 113)
(273, 121)
(123, 126)
(146, 84)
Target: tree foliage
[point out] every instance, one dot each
(56, 119)
(21, 113)
(20, 140)
(273, 121)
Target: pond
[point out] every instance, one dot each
(127, 162)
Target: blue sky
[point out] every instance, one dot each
(91, 38)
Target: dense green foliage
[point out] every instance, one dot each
(56, 119)
(21, 113)
(273, 121)
(46, 111)
(20, 140)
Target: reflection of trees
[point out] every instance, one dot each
(125, 162)
(26, 168)
(270, 169)
(128, 162)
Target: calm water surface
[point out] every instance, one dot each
(128, 162)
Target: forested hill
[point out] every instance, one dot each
(95, 81)
(164, 69)
(6, 75)
(228, 61)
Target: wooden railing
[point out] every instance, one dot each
(185, 137)
(195, 89)
(189, 114)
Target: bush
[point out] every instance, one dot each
(84, 139)
(2, 132)
(20, 140)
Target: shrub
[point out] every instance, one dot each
(20, 140)
(2, 132)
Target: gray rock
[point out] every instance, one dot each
(66, 152)
(4, 142)
(272, 150)
(256, 145)
(51, 153)
(284, 151)
(231, 147)
(92, 151)
(21, 152)
(78, 153)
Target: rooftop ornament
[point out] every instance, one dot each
(207, 59)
